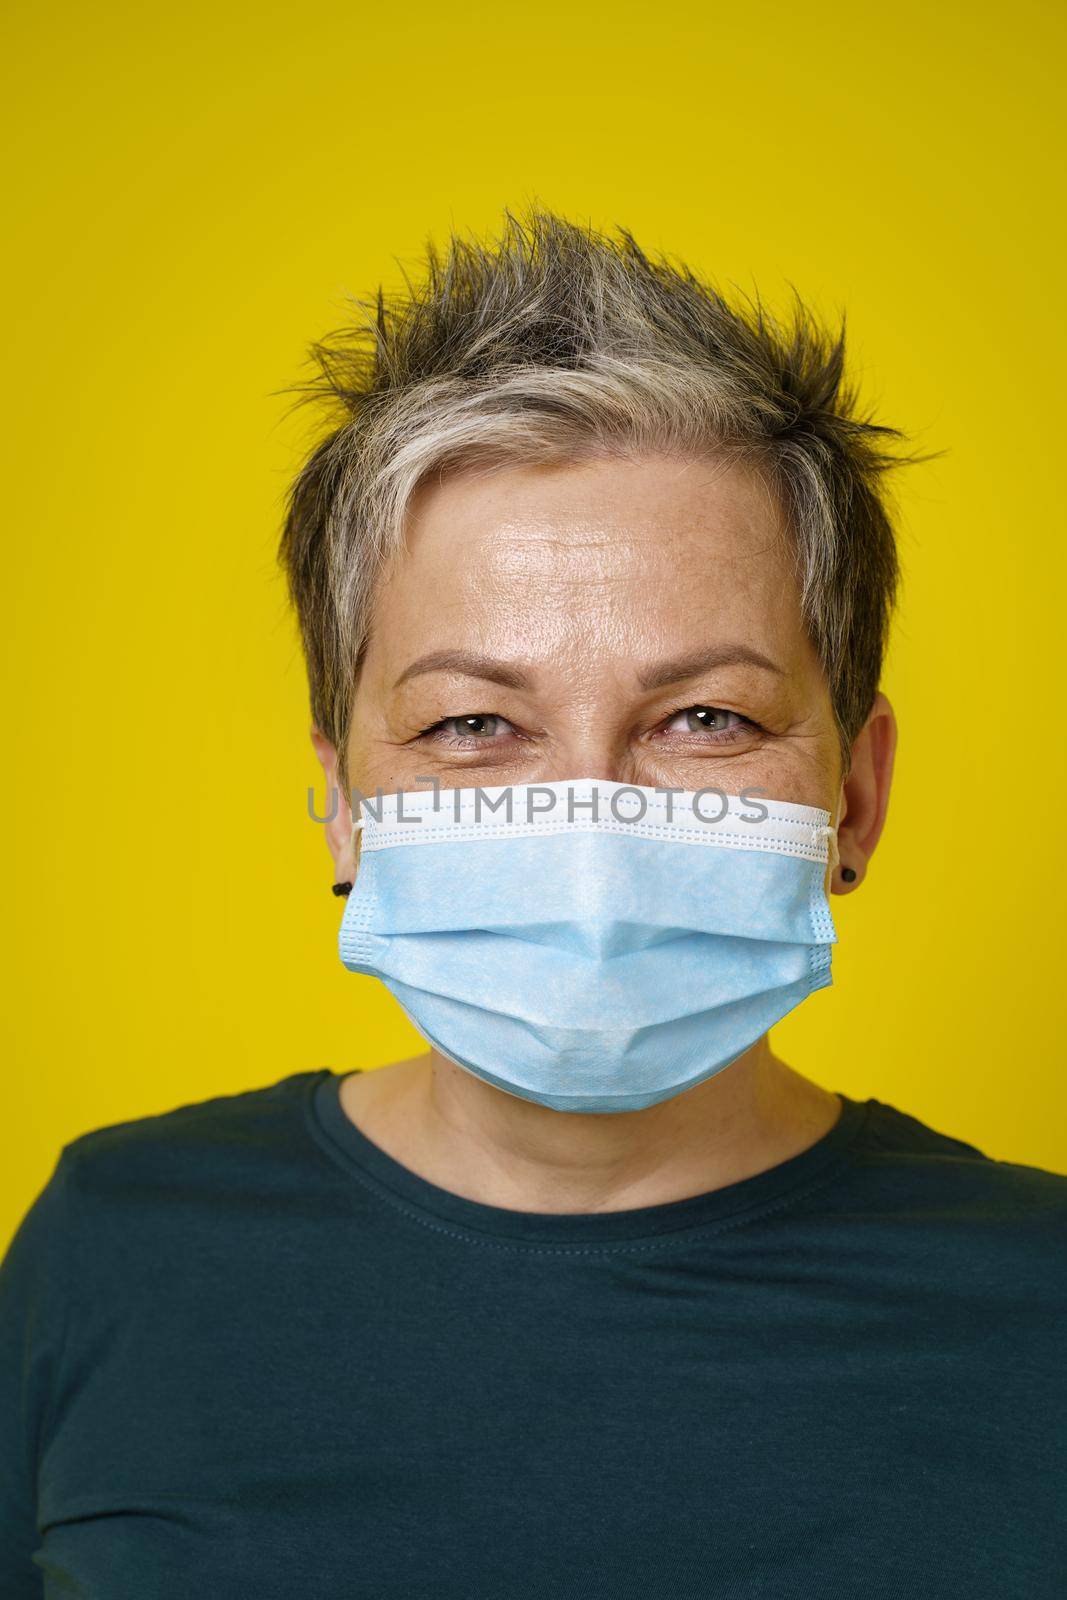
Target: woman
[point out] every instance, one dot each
(598, 1296)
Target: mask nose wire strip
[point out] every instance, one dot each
(829, 832)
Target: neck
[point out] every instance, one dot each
(477, 1141)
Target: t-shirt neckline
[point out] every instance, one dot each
(392, 1180)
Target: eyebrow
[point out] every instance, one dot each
(469, 666)
(490, 670)
(691, 666)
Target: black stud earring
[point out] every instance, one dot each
(342, 888)
(848, 874)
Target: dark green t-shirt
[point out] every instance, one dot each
(245, 1353)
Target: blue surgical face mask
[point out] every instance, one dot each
(587, 945)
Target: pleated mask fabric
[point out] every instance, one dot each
(587, 945)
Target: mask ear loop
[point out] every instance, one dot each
(355, 840)
(829, 833)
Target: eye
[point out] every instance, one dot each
(713, 721)
(479, 727)
(476, 729)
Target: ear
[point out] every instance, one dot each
(866, 794)
(338, 829)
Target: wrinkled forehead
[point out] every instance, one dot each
(610, 556)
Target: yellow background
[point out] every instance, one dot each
(194, 191)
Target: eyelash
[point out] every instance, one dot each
(722, 736)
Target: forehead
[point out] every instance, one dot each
(604, 554)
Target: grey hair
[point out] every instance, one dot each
(557, 343)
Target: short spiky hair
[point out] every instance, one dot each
(557, 343)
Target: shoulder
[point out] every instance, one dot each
(169, 1147)
(892, 1136)
(960, 1196)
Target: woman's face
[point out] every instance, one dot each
(635, 621)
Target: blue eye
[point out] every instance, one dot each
(717, 726)
(475, 726)
(709, 719)
(481, 727)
